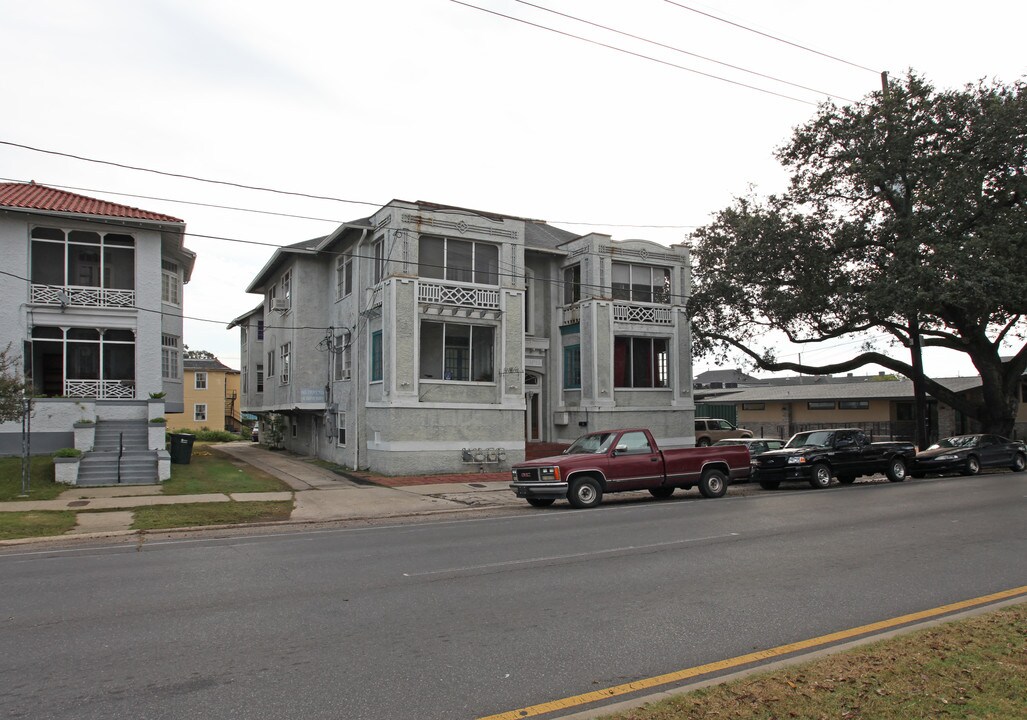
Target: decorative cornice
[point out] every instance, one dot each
(641, 254)
(461, 226)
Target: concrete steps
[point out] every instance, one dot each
(138, 464)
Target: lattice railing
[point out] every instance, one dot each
(100, 389)
(459, 295)
(82, 296)
(643, 314)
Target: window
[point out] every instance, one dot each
(200, 412)
(283, 368)
(341, 425)
(529, 301)
(634, 443)
(451, 351)
(260, 329)
(572, 367)
(170, 284)
(341, 352)
(640, 362)
(287, 288)
(83, 362)
(754, 406)
(820, 405)
(641, 283)
(272, 293)
(260, 378)
(853, 404)
(379, 260)
(458, 260)
(343, 276)
(83, 258)
(270, 363)
(200, 380)
(169, 357)
(245, 380)
(376, 356)
(571, 284)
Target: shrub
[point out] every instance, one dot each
(67, 452)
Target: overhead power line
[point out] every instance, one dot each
(633, 53)
(773, 37)
(682, 51)
(189, 177)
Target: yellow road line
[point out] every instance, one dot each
(678, 676)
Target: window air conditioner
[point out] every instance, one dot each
(279, 305)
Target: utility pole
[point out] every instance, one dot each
(920, 418)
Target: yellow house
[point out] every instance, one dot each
(211, 397)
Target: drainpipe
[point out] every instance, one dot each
(358, 407)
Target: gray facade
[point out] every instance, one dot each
(431, 339)
(88, 308)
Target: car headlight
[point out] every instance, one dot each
(796, 460)
(550, 473)
(947, 457)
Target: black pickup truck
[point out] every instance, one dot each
(818, 455)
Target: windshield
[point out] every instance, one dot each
(595, 443)
(816, 438)
(962, 441)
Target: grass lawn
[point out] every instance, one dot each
(156, 517)
(41, 484)
(211, 471)
(36, 523)
(973, 668)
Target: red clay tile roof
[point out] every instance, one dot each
(40, 197)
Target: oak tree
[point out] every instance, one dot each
(906, 214)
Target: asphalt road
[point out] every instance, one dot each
(466, 618)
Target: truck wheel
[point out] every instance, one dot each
(846, 479)
(703, 442)
(541, 502)
(585, 493)
(770, 484)
(896, 471)
(1019, 463)
(661, 492)
(821, 477)
(713, 484)
(973, 466)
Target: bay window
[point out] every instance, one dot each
(453, 351)
(640, 362)
(458, 260)
(641, 283)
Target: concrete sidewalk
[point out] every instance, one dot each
(319, 493)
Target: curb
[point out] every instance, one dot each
(143, 533)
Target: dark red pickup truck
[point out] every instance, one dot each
(619, 460)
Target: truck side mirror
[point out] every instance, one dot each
(621, 448)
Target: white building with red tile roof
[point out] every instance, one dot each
(92, 302)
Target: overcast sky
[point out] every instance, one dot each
(434, 100)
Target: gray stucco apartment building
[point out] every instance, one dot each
(430, 339)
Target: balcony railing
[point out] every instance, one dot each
(648, 314)
(467, 296)
(82, 296)
(101, 389)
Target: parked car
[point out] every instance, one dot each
(612, 461)
(710, 430)
(756, 446)
(846, 453)
(254, 435)
(967, 454)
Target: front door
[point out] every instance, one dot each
(533, 408)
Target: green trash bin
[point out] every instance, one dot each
(181, 448)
